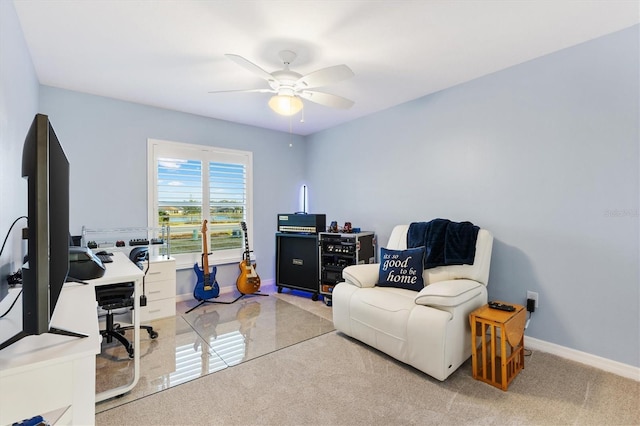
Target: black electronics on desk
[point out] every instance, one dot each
(84, 264)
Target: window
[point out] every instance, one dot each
(189, 184)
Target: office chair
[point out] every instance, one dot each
(116, 296)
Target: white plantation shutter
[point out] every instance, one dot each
(191, 183)
(227, 201)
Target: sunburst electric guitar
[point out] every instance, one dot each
(207, 286)
(248, 282)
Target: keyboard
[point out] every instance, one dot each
(105, 258)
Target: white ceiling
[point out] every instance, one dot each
(170, 53)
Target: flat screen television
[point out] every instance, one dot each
(46, 168)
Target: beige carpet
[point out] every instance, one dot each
(335, 380)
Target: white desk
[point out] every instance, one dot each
(122, 270)
(49, 372)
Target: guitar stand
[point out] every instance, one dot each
(202, 302)
(257, 293)
(225, 303)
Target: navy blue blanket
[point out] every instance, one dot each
(445, 242)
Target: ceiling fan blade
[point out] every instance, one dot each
(250, 66)
(245, 91)
(327, 99)
(324, 77)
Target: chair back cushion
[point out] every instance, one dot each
(479, 271)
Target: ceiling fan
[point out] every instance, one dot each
(289, 86)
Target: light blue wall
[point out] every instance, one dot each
(544, 155)
(18, 105)
(106, 142)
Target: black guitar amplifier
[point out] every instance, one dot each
(302, 223)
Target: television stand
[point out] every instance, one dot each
(52, 330)
(62, 332)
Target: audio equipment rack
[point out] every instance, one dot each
(339, 250)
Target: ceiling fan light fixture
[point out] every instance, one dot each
(285, 104)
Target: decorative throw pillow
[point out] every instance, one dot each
(401, 268)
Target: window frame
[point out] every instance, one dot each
(205, 153)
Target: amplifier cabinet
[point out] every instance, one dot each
(338, 251)
(297, 262)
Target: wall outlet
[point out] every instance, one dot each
(533, 295)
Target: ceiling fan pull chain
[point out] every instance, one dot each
(290, 131)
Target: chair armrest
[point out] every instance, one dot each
(448, 293)
(364, 275)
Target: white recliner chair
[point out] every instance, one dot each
(429, 329)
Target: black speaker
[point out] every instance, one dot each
(297, 262)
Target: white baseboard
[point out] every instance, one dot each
(605, 364)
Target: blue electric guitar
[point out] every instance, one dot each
(207, 286)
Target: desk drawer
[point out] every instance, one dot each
(159, 271)
(36, 390)
(157, 290)
(158, 309)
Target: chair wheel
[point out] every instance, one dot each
(153, 334)
(314, 297)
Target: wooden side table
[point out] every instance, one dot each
(492, 364)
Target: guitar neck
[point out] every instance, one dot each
(247, 253)
(205, 263)
(205, 251)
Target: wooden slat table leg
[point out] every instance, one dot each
(511, 325)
